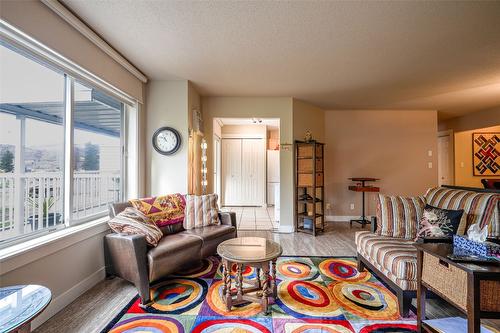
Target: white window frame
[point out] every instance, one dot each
(74, 72)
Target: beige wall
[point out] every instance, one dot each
(390, 145)
(307, 117)
(167, 106)
(258, 130)
(479, 119)
(463, 158)
(39, 22)
(259, 107)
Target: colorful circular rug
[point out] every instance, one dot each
(306, 298)
(230, 325)
(217, 304)
(315, 295)
(390, 328)
(152, 324)
(366, 299)
(175, 296)
(319, 326)
(342, 270)
(248, 272)
(296, 269)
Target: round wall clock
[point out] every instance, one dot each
(166, 140)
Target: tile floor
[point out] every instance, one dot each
(254, 218)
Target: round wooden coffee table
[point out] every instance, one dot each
(256, 252)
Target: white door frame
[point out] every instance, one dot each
(217, 167)
(451, 153)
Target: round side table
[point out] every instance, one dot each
(256, 252)
(22, 304)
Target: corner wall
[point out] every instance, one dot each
(167, 106)
(390, 145)
(307, 117)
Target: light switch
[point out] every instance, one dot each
(429, 153)
(462, 164)
(429, 165)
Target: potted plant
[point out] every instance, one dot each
(47, 219)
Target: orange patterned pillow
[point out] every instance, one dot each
(162, 210)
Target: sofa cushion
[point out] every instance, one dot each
(395, 258)
(162, 210)
(481, 208)
(398, 216)
(201, 211)
(173, 251)
(211, 232)
(439, 222)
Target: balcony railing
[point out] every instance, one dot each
(32, 202)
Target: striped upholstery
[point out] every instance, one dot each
(398, 216)
(201, 211)
(395, 258)
(481, 208)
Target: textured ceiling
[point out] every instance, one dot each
(440, 55)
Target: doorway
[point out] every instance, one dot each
(446, 159)
(246, 170)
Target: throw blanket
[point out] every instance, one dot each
(133, 222)
(162, 210)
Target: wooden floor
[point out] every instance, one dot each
(98, 306)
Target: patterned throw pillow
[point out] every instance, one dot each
(398, 216)
(201, 211)
(132, 222)
(162, 210)
(438, 222)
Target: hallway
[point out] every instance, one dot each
(254, 218)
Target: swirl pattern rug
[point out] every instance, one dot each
(315, 295)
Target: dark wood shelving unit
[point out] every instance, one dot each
(309, 187)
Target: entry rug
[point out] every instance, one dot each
(315, 294)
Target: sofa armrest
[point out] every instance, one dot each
(128, 256)
(228, 218)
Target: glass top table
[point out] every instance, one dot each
(249, 250)
(19, 305)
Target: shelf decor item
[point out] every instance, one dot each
(309, 187)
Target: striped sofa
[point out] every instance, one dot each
(395, 259)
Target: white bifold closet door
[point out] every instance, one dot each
(243, 167)
(231, 171)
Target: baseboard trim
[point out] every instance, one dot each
(63, 300)
(343, 218)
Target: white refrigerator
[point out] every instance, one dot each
(273, 181)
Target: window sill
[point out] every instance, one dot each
(24, 253)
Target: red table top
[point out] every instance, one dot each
(364, 179)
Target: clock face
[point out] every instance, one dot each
(166, 140)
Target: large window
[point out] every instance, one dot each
(56, 133)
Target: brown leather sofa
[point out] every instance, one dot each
(129, 256)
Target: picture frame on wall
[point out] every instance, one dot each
(486, 154)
